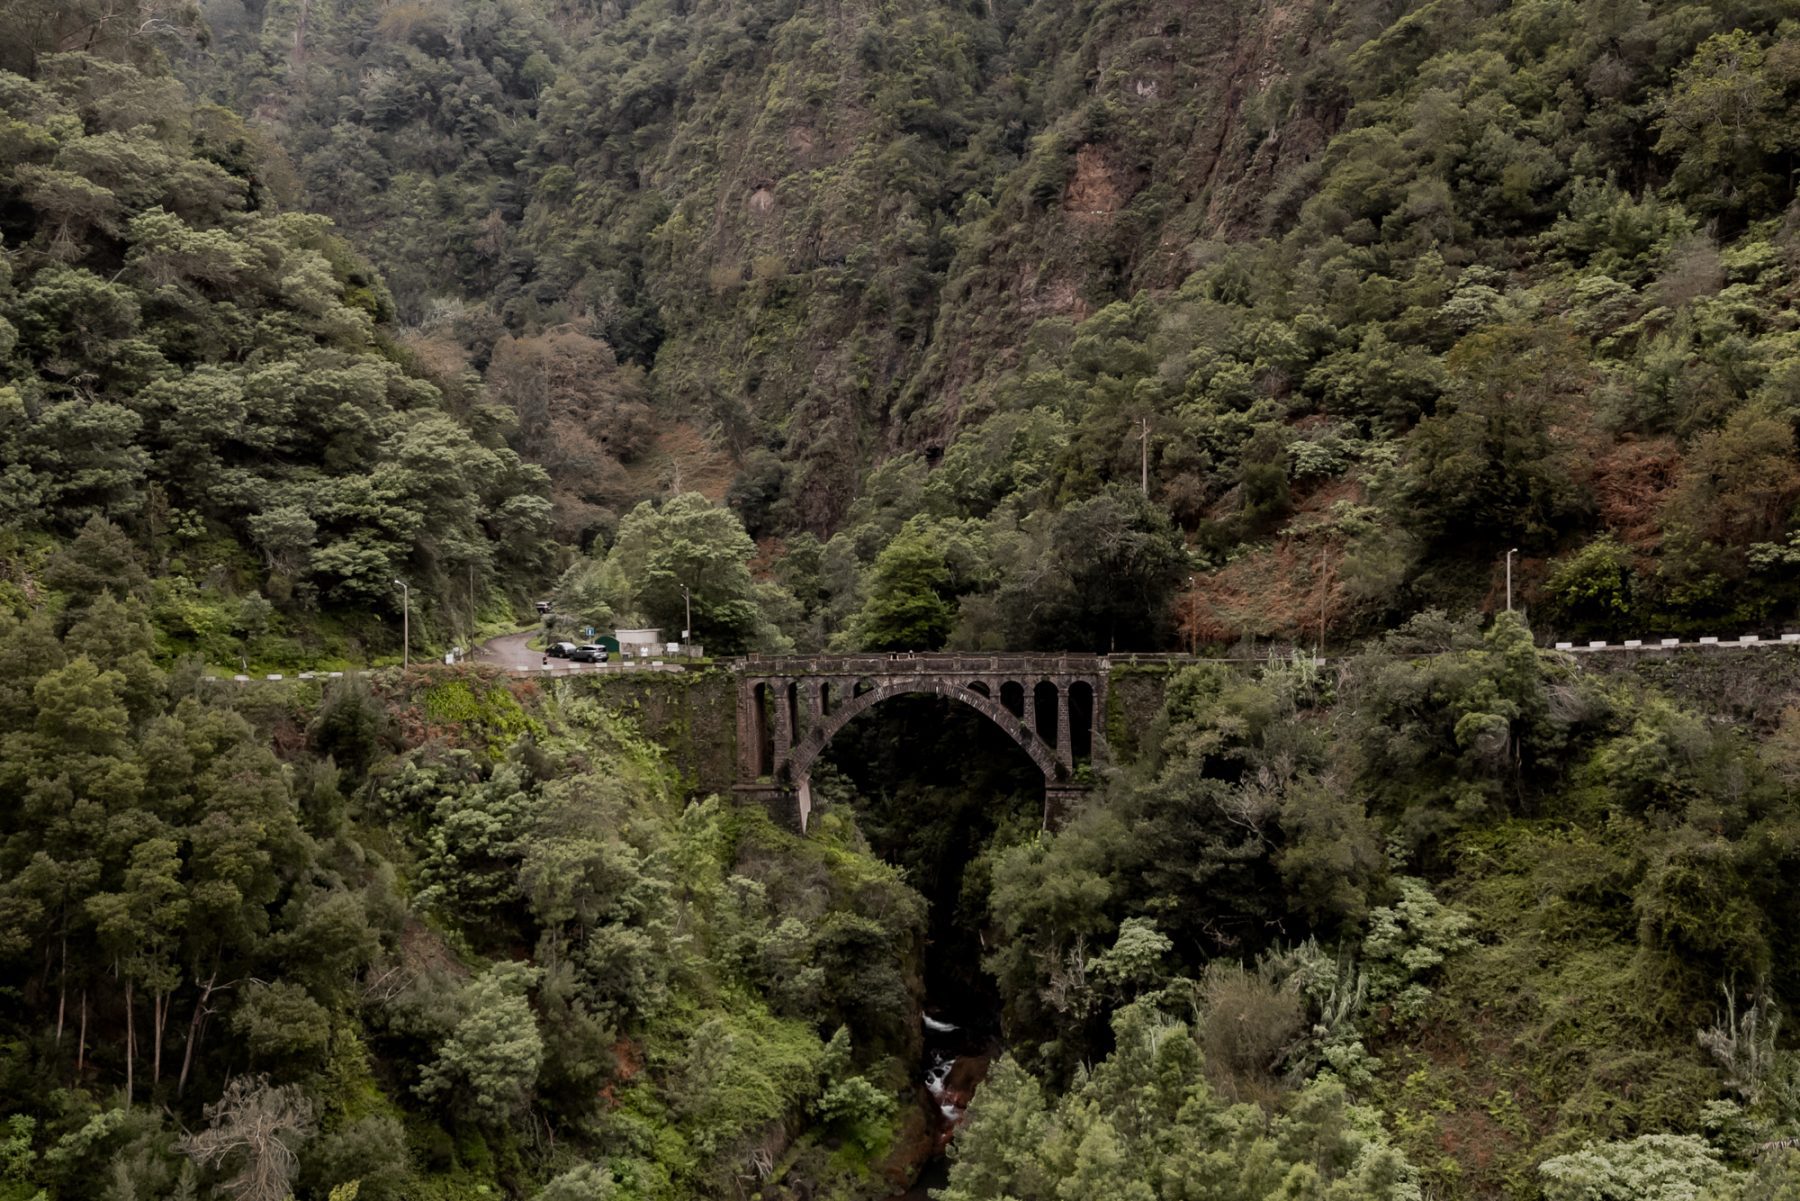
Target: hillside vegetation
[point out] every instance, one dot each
(1387, 289)
(1452, 920)
(202, 398)
(1358, 297)
(1071, 326)
(426, 938)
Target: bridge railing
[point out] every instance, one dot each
(935, 663)
(952, 663)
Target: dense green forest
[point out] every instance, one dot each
(1395, 287)
(1454, 918)
(1084, 325)
(1255, 312)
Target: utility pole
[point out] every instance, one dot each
(1144, 462)
(1509, 555)
(687, 600)
(405, 624)
(1193, 618)
(1324, 594)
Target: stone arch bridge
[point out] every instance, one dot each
(790, 707)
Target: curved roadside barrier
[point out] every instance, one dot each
(1707, 642)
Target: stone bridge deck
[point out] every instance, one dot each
(923, 663)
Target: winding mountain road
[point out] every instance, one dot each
(512, 652)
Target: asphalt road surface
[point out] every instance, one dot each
(510, 652)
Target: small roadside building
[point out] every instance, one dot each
(637, 643)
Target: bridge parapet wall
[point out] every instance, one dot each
(975, 666)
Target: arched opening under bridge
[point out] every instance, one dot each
(820, 735)
(790, 710)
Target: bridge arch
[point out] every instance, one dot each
(807, 752)
(790, 707)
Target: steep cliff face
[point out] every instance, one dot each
(865, 235)
(1164, 130)
(825, 225)
(1426, 282)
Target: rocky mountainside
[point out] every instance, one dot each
(1123, 326)
(824, 228)
(1295, 257)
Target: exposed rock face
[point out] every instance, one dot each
(1094, 193)
(827, 228)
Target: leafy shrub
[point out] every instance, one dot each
(1248, 1026)
(488, 1065)
(1408, 942)
(1651, 1167)
(1593, 590)
(859, 1109)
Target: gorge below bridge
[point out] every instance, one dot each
(790, 707)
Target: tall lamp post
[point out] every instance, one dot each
(1193, 618)
(687, 601)
(405, 624)
(1144, 456)
(1509, 557)
(1324, 594)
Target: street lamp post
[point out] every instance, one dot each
(1509, 557)
(1324, 594)
(1144, 459)
(405, 624)
(687, 601)
(1193, 618)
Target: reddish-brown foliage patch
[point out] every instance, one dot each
(423, 951)
(1274, 592)
(1093, 193)
(289, 736)
(769, 551)
(1631, 481)
(681, 459)
(628, 1059)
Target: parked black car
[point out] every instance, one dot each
(588, 653)
(560, 650)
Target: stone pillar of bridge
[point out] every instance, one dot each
(784, 725)
(1097, 726)
(1029, 689)
(812, 714)
(1065, 745)
(750, 718)
(1060, 801)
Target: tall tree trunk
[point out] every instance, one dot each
(193, 1036)
(158, 1012)
(130, 1043)
(62, 988)
(81, 1047)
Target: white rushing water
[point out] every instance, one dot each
(936, 1026)
(935, 1078)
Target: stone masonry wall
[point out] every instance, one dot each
(691, 714)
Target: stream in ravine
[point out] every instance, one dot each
(932, 782)
(954, 1063)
